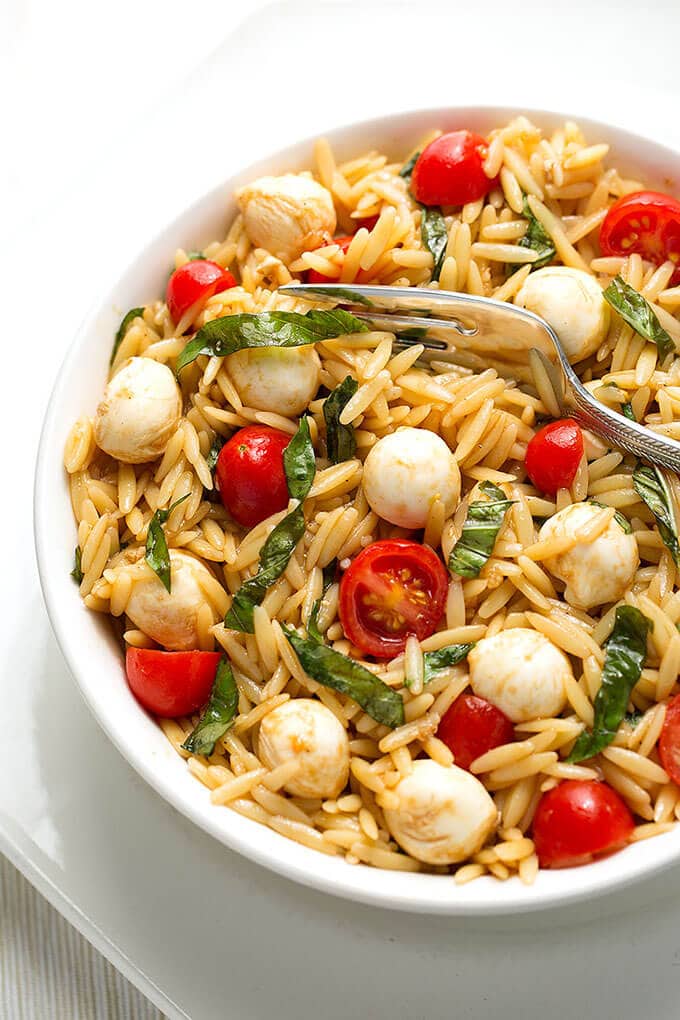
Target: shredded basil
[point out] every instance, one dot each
(620, 519)
(625, 653)
(214, 451)
(122, 330)
(195, 256)
(627, 411)
(450, 655)
(337, 671)
(218, 714)
(157, 555)
(482, 524)
(407, 170)
(230, 333)
(536, 238)
(639, 314)
(77, 573)
(340, 441)
(651, 486)
(434, 235)
(313, 632)
(299, 463)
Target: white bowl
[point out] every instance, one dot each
(87, 640)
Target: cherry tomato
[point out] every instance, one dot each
(392, 589)
(250, 474)
(171, 683)
(314, 276)
(554, 454)
(195, 282)
(449, 171)
(669, 741)
(646, 222)
(473, 726)
(577, 820)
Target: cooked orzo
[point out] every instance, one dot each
(396, 612)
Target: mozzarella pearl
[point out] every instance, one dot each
(283, 380)
(571, 302)
(521, 672)
(139, 413)
(594, 572)
(405, 471)
(170, 618)
(287, 215)
(306, 731)
(444, 813)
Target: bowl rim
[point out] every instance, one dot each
(414, 892)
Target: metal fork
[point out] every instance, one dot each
(442, 320)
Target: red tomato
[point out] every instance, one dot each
(669, 741)
(392, 589)
(195, 282)
(646, 222)
(171, 683)
(554, 454)
(250, 474)
(449, 170)
(473, 726)
(577, 820)
(313, 276)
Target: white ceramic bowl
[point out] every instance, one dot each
(88, 642)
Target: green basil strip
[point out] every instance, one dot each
(450, 655)
(157, 555)
(313, 632)
(122, 330)
(620, 519)
(195, 256)
(218, 714)
(536, 238)
(482, 524)
(639, 314)
(77, 572)
(230, 333)
(434, 235)
(627, 411)
(625, 653)
(337, 671)
(214, 451)
(407, 169)
(340, 441)
(299, 463)
(652, 488)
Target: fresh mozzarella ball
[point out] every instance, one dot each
(140, 411)
(594, 572)
(405, 471)
(521, 673)
(571, 302)
(444, 813)
(170, 618)
(283, 380)
(287, 215)
(308, 732)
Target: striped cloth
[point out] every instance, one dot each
(47, 970)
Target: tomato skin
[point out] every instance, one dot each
(449, 171)
(554, 454)
(577, 820)
(250, 474)
(473, 726)
(193, 282)
(646, 222)
(314, 276)
(669, 741)
(393, 588)
(171, 684)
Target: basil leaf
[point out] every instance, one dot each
(340, 442)
(536, 238)
(337, 671)
(122, 330)
(624, 658)
(639, 314)
(299, 463)
(434, 235)
(214, 451)
(77, 573)
(407, 169)
(313, 631)
(230, 333)
(652, 488)
(622, 521)
(195, 256)
(627, 411)
(157, 555)
(218, 714)
(482, 524)
(450, 655)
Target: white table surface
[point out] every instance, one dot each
(111, 126)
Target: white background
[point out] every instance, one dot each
(113, 117)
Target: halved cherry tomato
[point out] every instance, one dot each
(473, 726)
(669, 741)
(450, 171)
(314, 276)
(554, 454)
(171, 683)
(392, 589)
(193, 283)
(646, 222)
(578, 820)
(250, 474)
